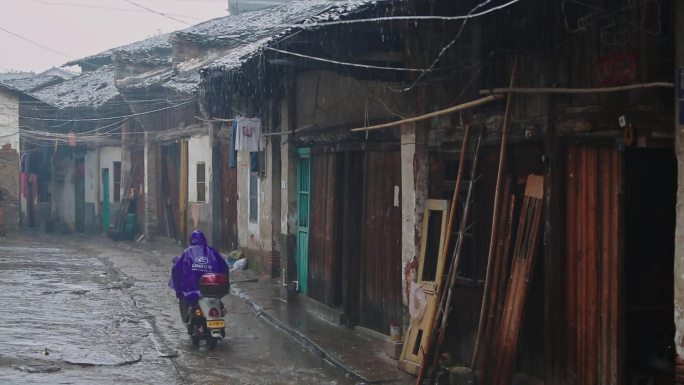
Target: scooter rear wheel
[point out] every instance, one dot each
(211, 343)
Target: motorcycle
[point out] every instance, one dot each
(207, 321)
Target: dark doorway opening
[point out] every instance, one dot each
(650, 186)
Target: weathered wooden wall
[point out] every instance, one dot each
(228, 198)
(324, 262)
(594, 263)
(381, 242)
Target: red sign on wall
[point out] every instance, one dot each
(615, 69)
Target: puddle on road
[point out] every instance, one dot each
(60, 310)
(82, 311)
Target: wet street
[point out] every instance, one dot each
(85, 311)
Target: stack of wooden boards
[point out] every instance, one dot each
(504, 321)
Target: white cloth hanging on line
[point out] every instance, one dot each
(248, 136)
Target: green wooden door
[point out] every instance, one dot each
(105, 199)
(303, 200)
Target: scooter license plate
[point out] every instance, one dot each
(216, 324)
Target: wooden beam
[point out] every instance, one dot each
(456, 108)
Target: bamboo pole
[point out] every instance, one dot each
(495, 215)
(496, 278)
(447, 240)
(456, 108)
(593, 90)
(457, 188)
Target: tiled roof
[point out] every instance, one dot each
(140, 48)
(251, 31)
(32, 83)
(90, 89)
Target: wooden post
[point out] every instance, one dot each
(183, 193)
(495, 215)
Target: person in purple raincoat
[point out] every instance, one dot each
(198, 259)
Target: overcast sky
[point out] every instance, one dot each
(78, 28)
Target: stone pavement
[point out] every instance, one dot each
(360, 354)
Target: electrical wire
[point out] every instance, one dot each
(157, 12)
(35, 43)
(343, 63)
(460, 31)
(111, 117)
(89, 6)
(423, 71)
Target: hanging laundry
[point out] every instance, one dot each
(248, 134)
(232, 158)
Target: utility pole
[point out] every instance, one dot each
(679, 151)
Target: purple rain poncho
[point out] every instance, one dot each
(197, 260)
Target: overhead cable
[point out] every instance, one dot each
(460, 31)
(36, 43)
(111, 117)
(166, 15)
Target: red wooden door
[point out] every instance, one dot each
(594, 180)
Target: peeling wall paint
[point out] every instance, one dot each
(413, 197)
(248, 232)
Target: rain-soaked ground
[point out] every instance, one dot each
(88, 311)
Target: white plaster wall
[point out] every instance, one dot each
(199, 150)
(408, 202)
(248, 232)
(109, 155)
(91, 177)
(9, 119)
(66, 201)
(266, 207)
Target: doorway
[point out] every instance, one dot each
(650, 203)
(620, 210)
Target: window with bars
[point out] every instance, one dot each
(201, 183)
